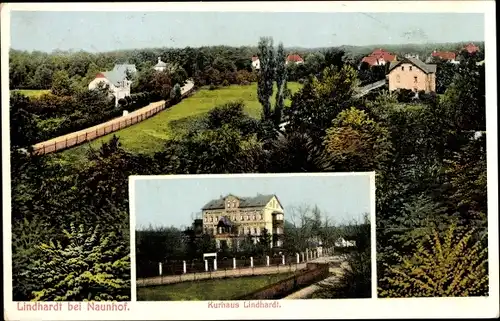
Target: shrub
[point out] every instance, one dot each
(225, 83)
(122, 102)
(448, 266)
(212, 87)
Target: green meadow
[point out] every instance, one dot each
(149, 135)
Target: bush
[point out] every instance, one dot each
(301, 81)
(122, 102)
(225, 83)
(452, 265)
(212, 87)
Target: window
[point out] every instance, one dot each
(403, 68)
(246, 217)
(260, 216)
(211, 219)
(241, 217)
(415, 79)
(410, 68)
(255, 230)
(253, 217)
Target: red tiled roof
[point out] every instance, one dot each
(294, 58)
(100, 75)
(377, 55)
(371, 60)
(446, 55)
(254, 58)
(471, 48)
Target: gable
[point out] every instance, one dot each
(414, 62)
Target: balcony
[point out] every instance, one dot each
(278, 217)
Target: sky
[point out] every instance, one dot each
(108, 31)
(171, 202)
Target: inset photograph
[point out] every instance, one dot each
(252, 237)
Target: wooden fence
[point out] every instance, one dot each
(91, 133)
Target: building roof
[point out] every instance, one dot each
(161, 63)
(471, 48)
(377, 55)
(416, 62)
(254, 58)
(118, 74)
(447, 55)
(294, 58)
(257, 201)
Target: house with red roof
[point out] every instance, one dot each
(471, 48)
(445, 55)
(296, 59)
(116, 80)
(379, 57)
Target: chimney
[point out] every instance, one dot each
(159, 59)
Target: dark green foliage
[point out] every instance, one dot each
(266, 76)
(90, 264)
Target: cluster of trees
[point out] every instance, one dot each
(36, 119)
(430, 172)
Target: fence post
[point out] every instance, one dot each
(160, 269)
(215, 264)
(302, 256)
(184, 267)
(283, 259)
(298, 258)
(234, 263)
(267, 260)
(251, 262)
(206, 265)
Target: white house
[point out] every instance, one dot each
(116, 79)
(255, 63)
(160, 66)
(341, 242)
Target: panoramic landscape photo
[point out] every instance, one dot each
(252, 237)
(163, 93)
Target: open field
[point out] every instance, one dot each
(31, 92)
(216, 289)
(148, 136)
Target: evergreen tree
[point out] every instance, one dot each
(266, 76)
(281, 76)
(93, 265)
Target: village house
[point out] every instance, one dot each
(471, 48)
(160, 66)
(444, 55)
(255, 63)
(378, 57)
(230, 219)
(294, 59)
(116, 79)
(413, 74)
(341, 242)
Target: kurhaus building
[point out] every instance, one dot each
(230, 219)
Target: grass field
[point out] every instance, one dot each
(216, 289)
(149, 135)
(31, 92)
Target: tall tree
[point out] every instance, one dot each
(281, 75)
(266, 76)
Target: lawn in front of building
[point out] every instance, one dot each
(149, 135)
(215, 289)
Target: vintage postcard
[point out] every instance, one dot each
(235, 240)
(117, 116)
